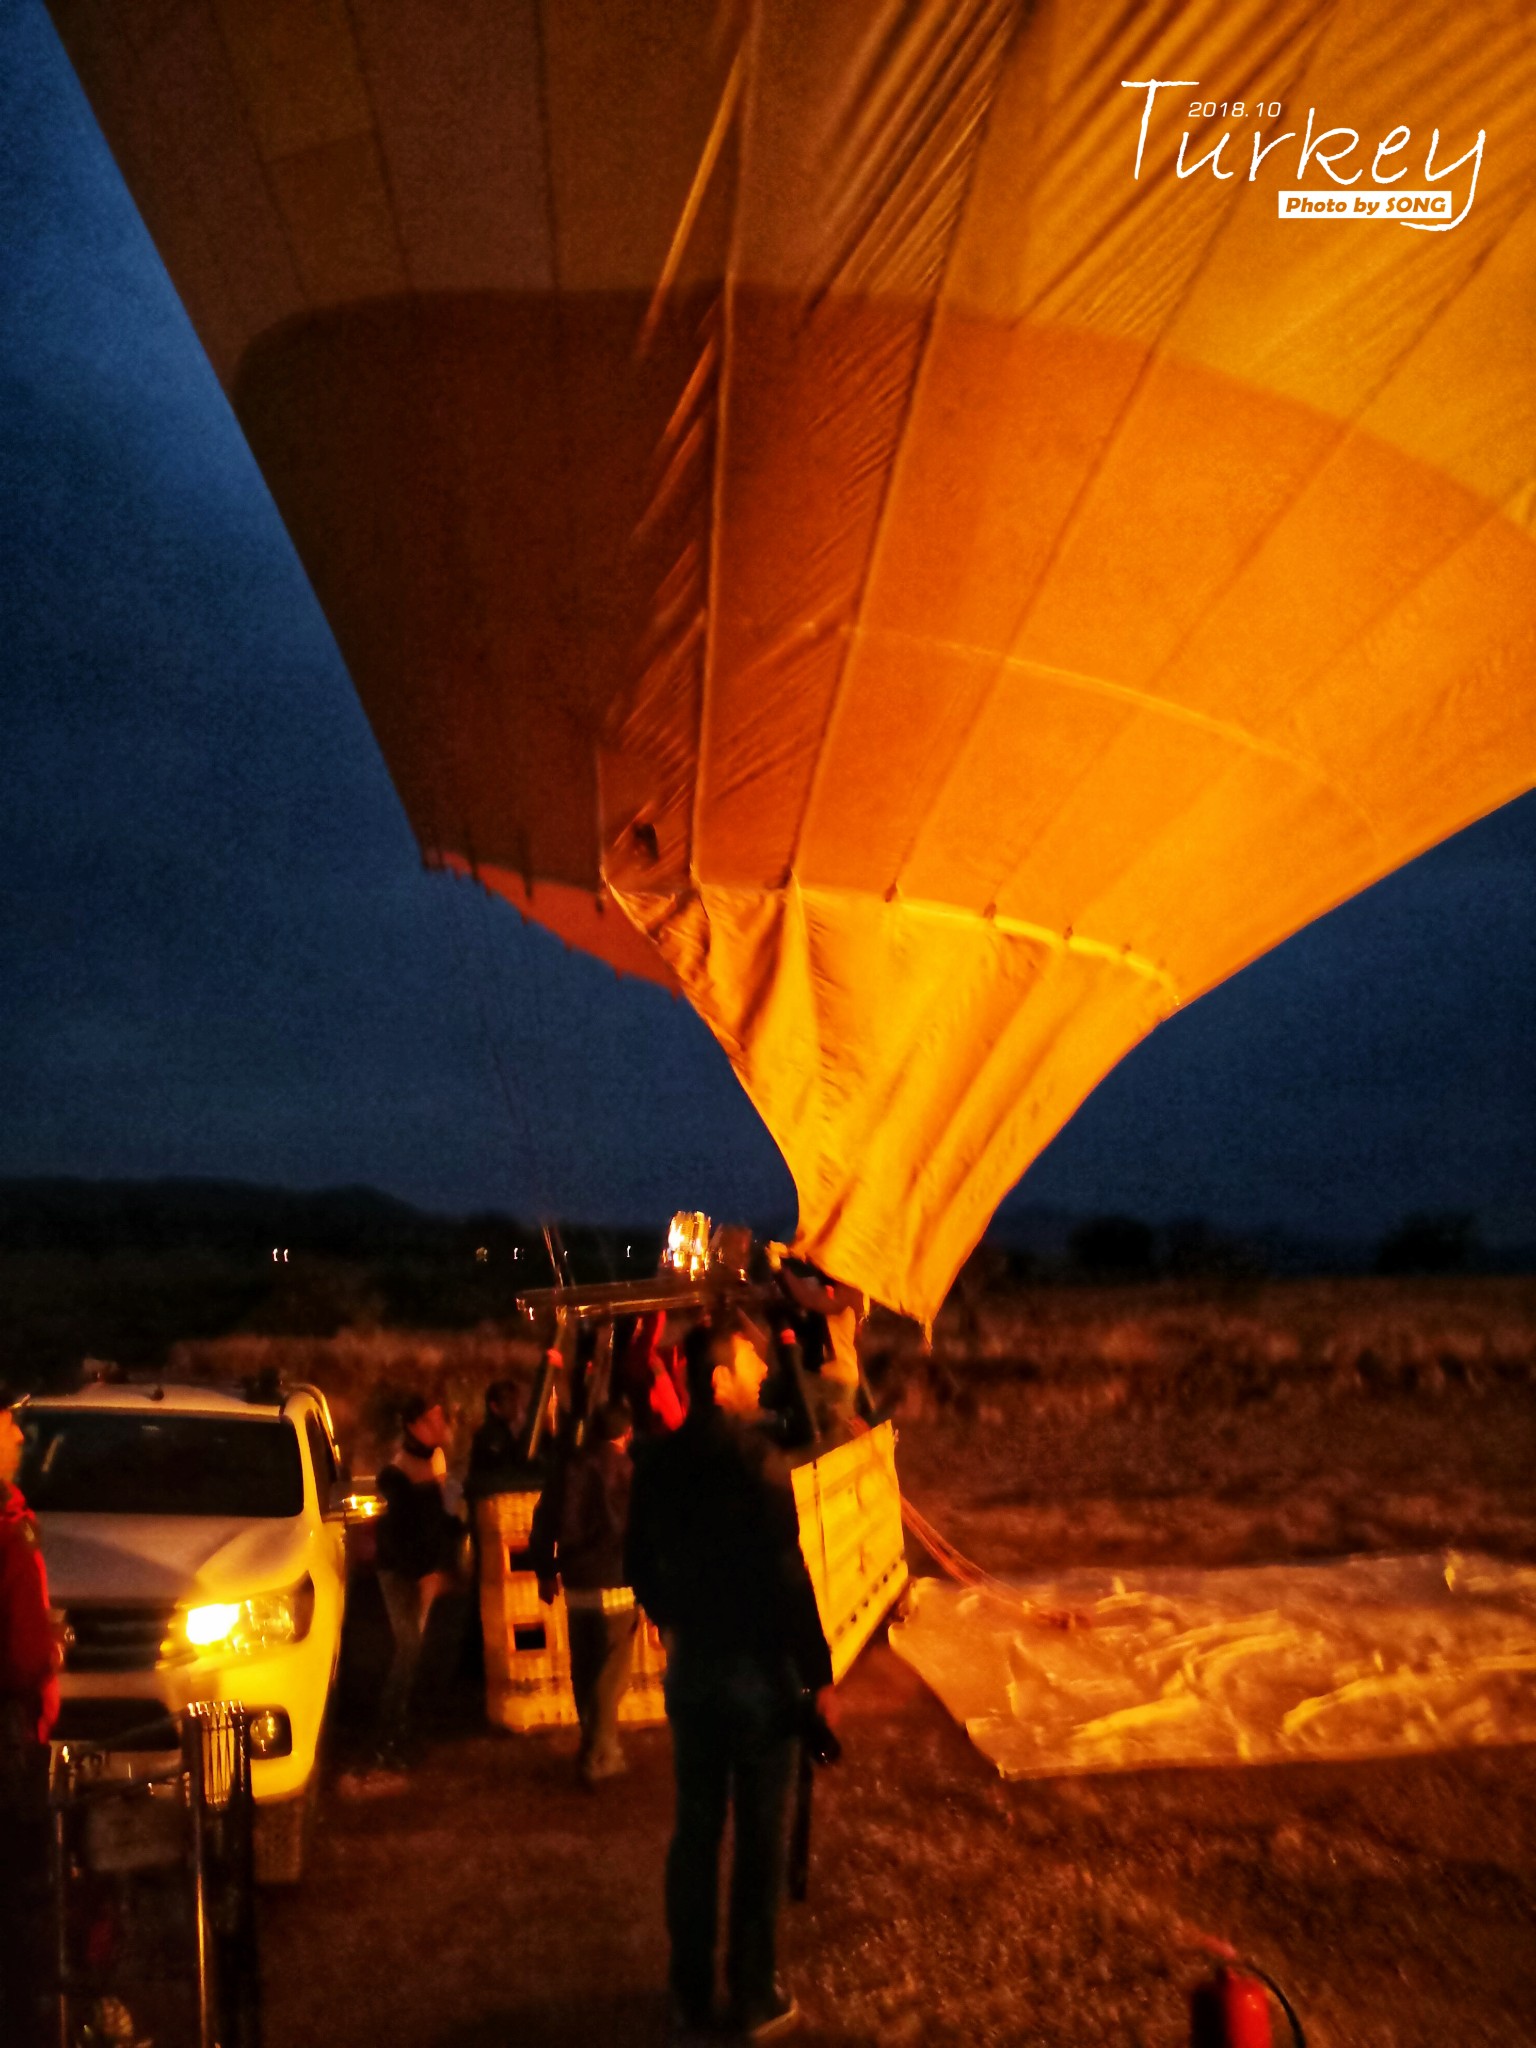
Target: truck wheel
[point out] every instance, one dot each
(283, 1828)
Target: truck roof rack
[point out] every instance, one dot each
(317, 1395)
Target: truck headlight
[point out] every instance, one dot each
(267, 1621)
(208, 1625)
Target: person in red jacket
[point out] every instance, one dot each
(650, 1373)
(29, 1706)
(29, 1686)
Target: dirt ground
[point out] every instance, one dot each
(496, 1901)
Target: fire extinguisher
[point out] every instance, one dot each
(1231, 2010)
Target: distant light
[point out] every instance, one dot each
(279, 1255)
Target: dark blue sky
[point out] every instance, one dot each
(219, 953)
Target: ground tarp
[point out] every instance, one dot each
(1377, 1656)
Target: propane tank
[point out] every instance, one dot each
(1229, 2011)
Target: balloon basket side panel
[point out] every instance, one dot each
(528, 1645)
(849, 1503)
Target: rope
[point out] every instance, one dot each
(495, 948)
(458, 924)
(490, 947)
(966, 1572)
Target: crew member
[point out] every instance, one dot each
(588, 1554)
(714, 1557)
(496, 1463)
(833, 1315)
(29, 1706)
(651, 1375)
(418, 1548)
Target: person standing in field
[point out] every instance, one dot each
(496, 1463)
(589, 1516)
(714, 1557)
(418, 1548)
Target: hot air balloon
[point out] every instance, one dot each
(832, 508)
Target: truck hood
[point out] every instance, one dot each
(171, 1558)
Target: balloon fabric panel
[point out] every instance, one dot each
(825, 509)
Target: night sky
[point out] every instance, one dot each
(220, 955)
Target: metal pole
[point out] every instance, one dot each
(637, 1297)
(60, 1856)
(192, 1763)
(583, 1352)
(600, 1373)
(533, 1426)
(244, 1874)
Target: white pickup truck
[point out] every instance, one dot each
(196, 1549)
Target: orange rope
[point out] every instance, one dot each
(965, 1572)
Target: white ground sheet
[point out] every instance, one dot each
(1361, 1657)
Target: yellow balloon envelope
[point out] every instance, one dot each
(827, 508)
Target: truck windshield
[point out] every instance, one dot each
(97, 1462)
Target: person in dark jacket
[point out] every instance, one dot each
(713, 1554)
(582, 1540)
(496, 1463)
(29, 1706)
(418, 1544)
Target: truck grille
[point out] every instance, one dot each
(116, 1638)
(117, 1724)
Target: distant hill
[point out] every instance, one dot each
(1045, 1244)
(1059, 1240)
(121, 1215)
(124, 1269)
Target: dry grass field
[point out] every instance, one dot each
(1304, 1419)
